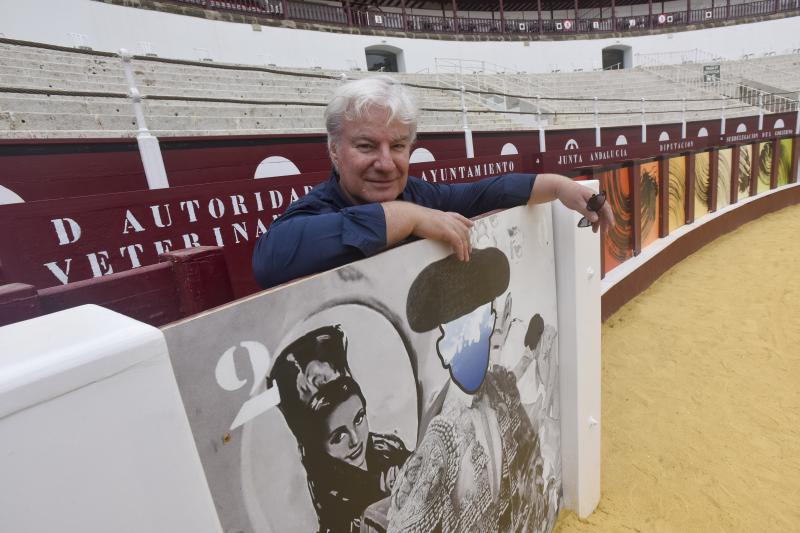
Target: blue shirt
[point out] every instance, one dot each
(323, 230)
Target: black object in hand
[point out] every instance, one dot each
(595, 202)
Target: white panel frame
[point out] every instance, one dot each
(578, 281)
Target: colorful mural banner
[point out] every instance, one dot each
(784, 161)
(745, 172)
(702, 184)
(649, 206)
(405, 392)
(618, 241)
(677, 192)
(764, 162)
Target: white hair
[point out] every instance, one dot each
(355, 99)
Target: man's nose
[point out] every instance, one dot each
(384, 160)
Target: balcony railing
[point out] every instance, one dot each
(391, 20)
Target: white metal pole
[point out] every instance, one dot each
(596, 125)
(760, 110)
(797, 120)
(149, 149)
(722, 118)
(542, 146)
(683, 120)
(467, 132)
(644, 125)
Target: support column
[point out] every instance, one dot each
(688, 10)
(285, 8)
(636, 207)
(539, 11)
(455, 18)
(663, 197)
(755, 154)
(405, 20)
(575, 28)
(735, 155)
(613, 16)
(713, 177)
(502, 18)
(690, 184)
(349, 13)
(773, 178)
(650, 11)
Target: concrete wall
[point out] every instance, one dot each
(108, 27)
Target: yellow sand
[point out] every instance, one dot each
(701, 393)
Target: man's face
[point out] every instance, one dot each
(372, 158)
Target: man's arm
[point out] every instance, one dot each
(549, 187)
(305, 244)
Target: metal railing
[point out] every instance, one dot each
(393, 19)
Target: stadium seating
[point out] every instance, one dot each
(51, 93)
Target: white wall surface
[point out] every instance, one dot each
(93, 434)
(109, 28)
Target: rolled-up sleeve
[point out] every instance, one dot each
(473, 199)
(305, 244)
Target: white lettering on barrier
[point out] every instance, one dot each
(216, 208)
(163, 246)
(61, 275)
(131, 222)
(237, 201)
(190, 206)
(190, 240)
(227, 379)
(132, 249)
(99, 264)
(156, 210)
(67, 233)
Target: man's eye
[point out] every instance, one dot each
(399, 147)
(364, 147)
(337, 437)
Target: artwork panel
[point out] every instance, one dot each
(784, 161)
(677, 192)
(650, 209)
(702, 184)
(324, 405)
(618, 241)
(764, 166)
(745, 163)
(724, 176)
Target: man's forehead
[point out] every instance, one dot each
(376, 124)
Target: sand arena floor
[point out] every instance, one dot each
(701, 393)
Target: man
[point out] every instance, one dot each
(370, 203)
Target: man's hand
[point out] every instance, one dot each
(404, 219)
(572, 194)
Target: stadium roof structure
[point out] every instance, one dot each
(507, 5)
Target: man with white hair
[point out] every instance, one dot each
(370, 203)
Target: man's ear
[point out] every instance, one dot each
(332, 153)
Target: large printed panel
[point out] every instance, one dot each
(745, 164)
(650, 210)
(724, 177)
(784, 161)
(677, 192)
(618, 242)
(764, 166)
(702, 184)
(405, 392)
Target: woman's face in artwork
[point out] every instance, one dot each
(347, 432)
